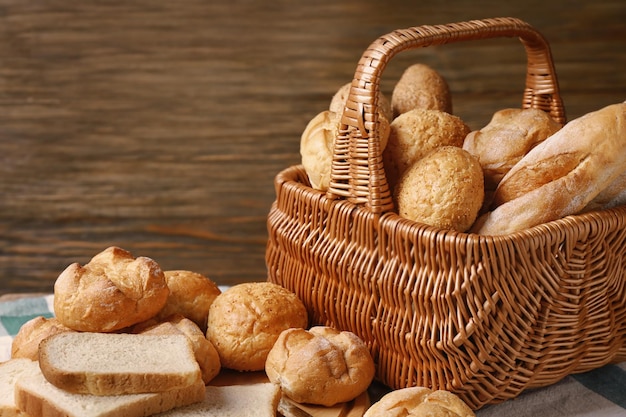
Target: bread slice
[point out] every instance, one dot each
(117, 364)
(35, 396)
(10, 372)
(249, 400)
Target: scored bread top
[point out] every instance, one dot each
(112, 364)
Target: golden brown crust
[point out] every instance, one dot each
(419, 402)
(321, 365)
(190, 294)
(509, 136)
(421, 87)
(245, 321)
(114, 290)
(443, 189)
(561, 175)
(416, 133)
(26, 342)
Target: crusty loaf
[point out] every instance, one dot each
(38, 397)
(111, 363)
(10, 372)
(113, 291)
(561, 175)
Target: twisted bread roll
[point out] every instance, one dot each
(561, 175)
(114, 290)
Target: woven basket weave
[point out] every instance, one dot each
(484, 317)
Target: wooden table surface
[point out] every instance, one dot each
(159, 126)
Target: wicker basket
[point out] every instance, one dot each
(484, 317)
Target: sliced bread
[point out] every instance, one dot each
(251, 400)
(116, 364)
(10, 372)
(35, 396)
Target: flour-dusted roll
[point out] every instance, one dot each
(321, 365)
(112, 291)
(561, 175)
(421, 87)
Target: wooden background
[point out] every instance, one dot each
(159, 126)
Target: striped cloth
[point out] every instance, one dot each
(598, 393)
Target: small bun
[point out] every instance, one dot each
(191, 294)
(338, 102)
(204, 351)
(321, 366)
(114, 290)
(444, 189)
(414, 134)
(245, 321)
(26, 342)
(317, 142)
(419, 402)
(421, 87)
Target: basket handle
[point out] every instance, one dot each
(357, 172)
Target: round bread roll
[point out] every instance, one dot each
(509, 136)
(321, 365)
(444, 189)
(191, 294)
(414, 134)
(419, 402)
(25, 344)
(316, 146)
(561, 175)
(338, 102)
(114, 290)
(420, 87)
(204, 351)
(245, 321)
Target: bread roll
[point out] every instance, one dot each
(191, 294)
(416, 133)
(421, 87)
(25, 344)
(338, 102)
(114, 290)
(204, 351)
(443, 189)
(245, 321)
(419, 402)
(509, 136)
(561, 175)
(321, 365)
(316, 146)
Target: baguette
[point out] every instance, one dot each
(114, 364)
(560, 176)
(36, 396)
